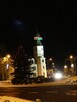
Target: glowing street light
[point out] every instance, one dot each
(6, 62)
(72, 65)
(71, 56)
(50, 59)
(50, 63)
(65, 70)
(72, 60)
(65, 66)
(8, 56)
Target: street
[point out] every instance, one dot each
(59, 93)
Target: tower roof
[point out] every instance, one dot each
(38, 39)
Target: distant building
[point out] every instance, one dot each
(6, 68)
(50, 73)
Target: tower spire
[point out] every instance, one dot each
(36, 29)
(38, 38)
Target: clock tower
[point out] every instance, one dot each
(39, 56)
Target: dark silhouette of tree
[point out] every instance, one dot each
(21, 65)
(3, 50)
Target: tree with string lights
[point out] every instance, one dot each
(22, 66)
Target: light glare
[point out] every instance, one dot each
(58, 75)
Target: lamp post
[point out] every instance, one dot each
(72, 60)
(65, 70)
(6, 67)
(50, 67)
(50, 64)
(6, 62)
(73, 64)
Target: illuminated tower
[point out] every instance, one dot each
(39, 56)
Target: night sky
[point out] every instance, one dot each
(55, 20)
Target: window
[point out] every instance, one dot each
(43, 67)
(33, 68)
(42, 60)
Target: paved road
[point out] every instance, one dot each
(62, 93)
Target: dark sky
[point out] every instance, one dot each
(56, 22)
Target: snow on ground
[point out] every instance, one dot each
(72, 80)
(12, 99)
(56, 82)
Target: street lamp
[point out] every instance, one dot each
(50, 64)
(72, 60)
(71, 56)
(50, 59)
(8, 56)
(6, 62)
(65, 66)
(6, 67)
(73, 63)
(65, 70)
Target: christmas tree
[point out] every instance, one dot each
(22, 66)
